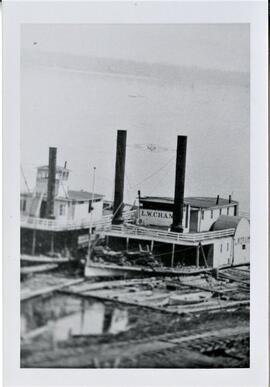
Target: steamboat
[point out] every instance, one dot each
(161, 236)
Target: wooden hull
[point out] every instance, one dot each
(112, 270)
(99, 270)
(42, 259)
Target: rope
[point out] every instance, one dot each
(129, 190)
(160, 180)
(25, 181)
(176, 251)
(118, 208)
(155, 172)
(61, 182)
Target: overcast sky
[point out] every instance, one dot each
(219, 46)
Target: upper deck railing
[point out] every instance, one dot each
(165, 236)
(105, 226)
(63, 225)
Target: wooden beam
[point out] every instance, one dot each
(52, 242)
(38, 268)
(173, 252)
(198, 256)
(34, 242)
(204, 257)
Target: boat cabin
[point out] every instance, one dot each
(199, 213)
(72, 213)
(70, 206)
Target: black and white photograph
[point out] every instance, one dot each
(135, 218)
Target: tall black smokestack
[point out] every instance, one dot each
(179, 184)
(119, 176)
(51, 183)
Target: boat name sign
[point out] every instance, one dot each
(156, 214)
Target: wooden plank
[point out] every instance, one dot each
(226, 332)
(37, 268)
(111, 284)
(201, 308)
(231, 278)
(26, 295)
(42, 259)
(210, 290)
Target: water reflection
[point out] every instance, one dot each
(72, 319)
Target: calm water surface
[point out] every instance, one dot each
(79, 112)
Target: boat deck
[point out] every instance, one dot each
(152, 234)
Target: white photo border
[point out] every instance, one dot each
(16, 13)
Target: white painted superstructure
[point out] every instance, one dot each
(70, 206)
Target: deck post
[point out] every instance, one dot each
(52, 242)
(197, 255)
(152, 245)
(127, 243)
(173, 251)
(107, 240)
(65, 242)
(34, 242)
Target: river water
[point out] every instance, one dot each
(80, 111)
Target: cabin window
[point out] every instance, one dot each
(220, 211)
(221, 247)
(228, 246)
(228, 210)
(23, 204)
(211, 214)
(202, 214)
(243, 247)
(43, 174)
(62, 209)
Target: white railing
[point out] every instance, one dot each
(60, 225)
(164, 235)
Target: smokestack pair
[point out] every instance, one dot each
(120, 177)
(179, 180)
